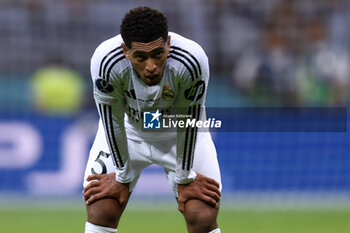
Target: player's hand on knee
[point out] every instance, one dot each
(202, 188)
(103, 186)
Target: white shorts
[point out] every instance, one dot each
(163, 153)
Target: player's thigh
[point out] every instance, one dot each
(205, 160)
(101, 162)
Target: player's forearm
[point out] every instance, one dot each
(113, 121)
(186, 143)
(123, 168)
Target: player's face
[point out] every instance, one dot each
(148, 59)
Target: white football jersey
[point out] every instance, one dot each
(122, 98)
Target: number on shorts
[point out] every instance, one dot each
(100, 161)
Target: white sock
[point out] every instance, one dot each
(92, 228)
(217, 230)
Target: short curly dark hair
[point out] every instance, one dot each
(143, 24)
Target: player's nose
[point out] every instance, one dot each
(150, 66)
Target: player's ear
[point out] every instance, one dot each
(168, 43)
(126, 51)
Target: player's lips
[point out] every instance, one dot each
(153, 76)
(152, 79)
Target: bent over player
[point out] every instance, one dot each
(148, 69)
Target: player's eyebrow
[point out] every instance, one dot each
(160, 49)
(138, 52)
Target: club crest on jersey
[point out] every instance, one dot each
(151, 120)
(103, 86)
(168, 94)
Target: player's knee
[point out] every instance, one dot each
(104, 212)
(201, 216)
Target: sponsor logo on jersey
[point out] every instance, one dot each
(168, 94)
(103, 86)
(151, 120)
(133, 113)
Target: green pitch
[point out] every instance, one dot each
(68, 219)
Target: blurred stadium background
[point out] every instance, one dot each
(262, 53)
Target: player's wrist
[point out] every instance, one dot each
(125, 174)
(123, 180)
(185, 177)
